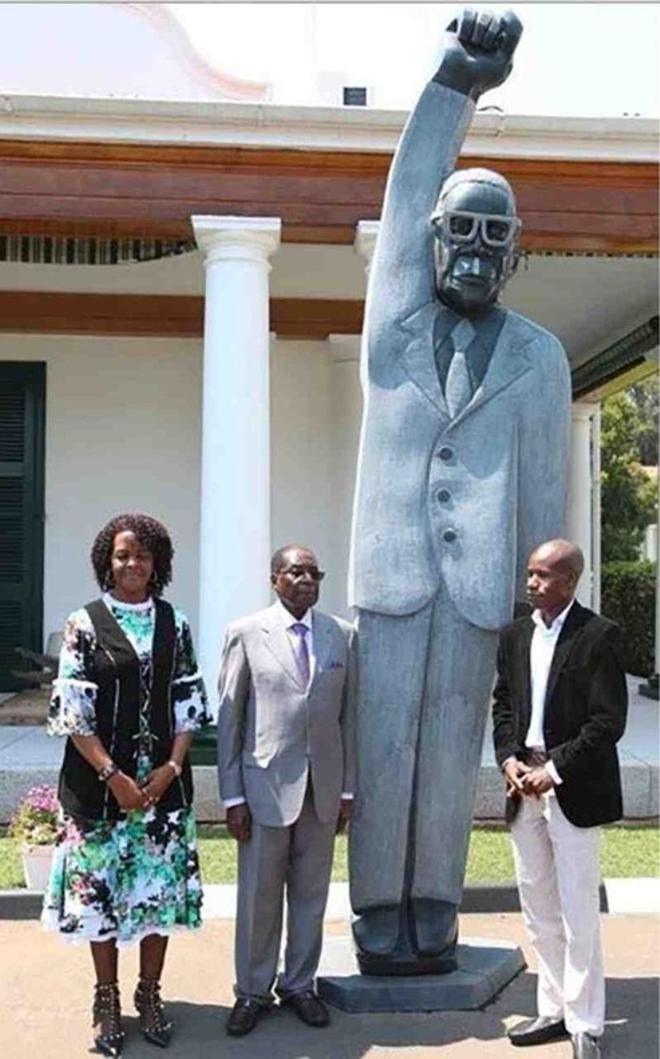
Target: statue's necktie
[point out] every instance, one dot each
(300, 650)
(458, 388)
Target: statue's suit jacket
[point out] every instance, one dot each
(502, 459)
(272, 730)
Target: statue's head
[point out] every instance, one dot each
(476, 230)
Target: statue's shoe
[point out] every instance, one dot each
(376, 930)
(435, 926)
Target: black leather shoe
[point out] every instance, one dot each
(436, 925)
(376, 930)
(585, 1046)
(309, 1008)
(243, 1016)
(537, 1031)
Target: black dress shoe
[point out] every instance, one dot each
(585, 1046)
(537, 1031)
(309, 1008)
(243, 1016)
(435, 925)
(376, 930)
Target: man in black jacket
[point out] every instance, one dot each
(559, 708)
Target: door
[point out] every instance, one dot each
(22, 414)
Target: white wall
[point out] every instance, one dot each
(315, 421)
(302, 457)
(116, 50)
(123, 423)
(122, 434)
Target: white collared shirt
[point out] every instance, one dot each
(542, 649)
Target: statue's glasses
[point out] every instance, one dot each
(461, 226)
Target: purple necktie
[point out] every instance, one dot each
(300, 650)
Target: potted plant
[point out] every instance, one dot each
(34, 826)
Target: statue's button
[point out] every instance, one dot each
(445, 453)
(444, 495)
(449, 535)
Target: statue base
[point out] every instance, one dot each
(415, 965)
(484, 968)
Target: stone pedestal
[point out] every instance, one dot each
(484, 968)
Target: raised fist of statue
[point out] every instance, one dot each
(478, 51)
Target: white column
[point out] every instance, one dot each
(365, 241)
(346, 419)
(583, 499)
(234, 548)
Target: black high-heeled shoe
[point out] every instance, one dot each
(106, 1016)
(156, 1028)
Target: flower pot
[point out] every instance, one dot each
(36, 866)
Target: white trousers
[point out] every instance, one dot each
(558, 878)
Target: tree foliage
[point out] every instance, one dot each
(628, 496)
(628, 598)
(646, 396)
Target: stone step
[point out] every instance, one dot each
(28, 756)
(640, 788)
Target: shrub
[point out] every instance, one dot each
(628, 598)
(35, 821)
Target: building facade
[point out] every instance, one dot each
(181, 293)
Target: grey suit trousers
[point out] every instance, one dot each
(425, 682)
(298, 858)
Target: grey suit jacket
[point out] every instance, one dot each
(272, 730)
(502, 460)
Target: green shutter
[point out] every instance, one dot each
(22, 407)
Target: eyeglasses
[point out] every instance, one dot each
(462, 226)
(296, 572)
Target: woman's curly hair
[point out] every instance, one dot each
(150, 533)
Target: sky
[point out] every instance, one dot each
(578, 59)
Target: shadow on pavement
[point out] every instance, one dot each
(632, 1030)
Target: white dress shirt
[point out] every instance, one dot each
(288, 620)
(542, 649)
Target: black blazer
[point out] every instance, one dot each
(585, 712)
(115, 669)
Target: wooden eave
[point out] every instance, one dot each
(108, 190)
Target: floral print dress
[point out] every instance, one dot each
(138, 875)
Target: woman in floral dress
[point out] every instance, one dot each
(128, 697)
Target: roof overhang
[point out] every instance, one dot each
(363, 129)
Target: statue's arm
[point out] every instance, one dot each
(401, 276)
(477, 54)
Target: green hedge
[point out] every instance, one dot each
(628, 598)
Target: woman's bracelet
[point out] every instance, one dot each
(107, 772)
(174, 765)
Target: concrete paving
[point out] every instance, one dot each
(28, 756)
(46, 993)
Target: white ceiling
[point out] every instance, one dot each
(588, 302)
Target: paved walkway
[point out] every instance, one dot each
(29, 756)
(46, 989)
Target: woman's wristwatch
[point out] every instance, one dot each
(175, 766)
(107, 772)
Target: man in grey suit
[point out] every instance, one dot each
(285, 763)
(462, 471)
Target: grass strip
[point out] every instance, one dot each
(626, 852)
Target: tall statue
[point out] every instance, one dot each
(462, 471)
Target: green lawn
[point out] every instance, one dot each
(626, 852)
